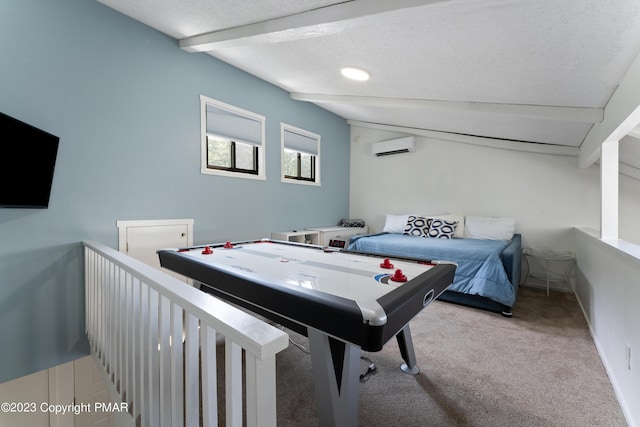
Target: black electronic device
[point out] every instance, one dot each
(27, 163)
(338, 243)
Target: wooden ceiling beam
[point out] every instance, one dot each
(549, 112)
(313, 23)
(505, 144)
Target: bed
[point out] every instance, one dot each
(488, 272)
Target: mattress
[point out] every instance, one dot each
(480, 270)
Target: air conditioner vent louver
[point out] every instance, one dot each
(388, 153)
(394, 146)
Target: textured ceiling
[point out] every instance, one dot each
(516, 70)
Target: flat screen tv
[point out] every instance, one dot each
(27, 161)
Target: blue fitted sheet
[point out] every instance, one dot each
(480, 269)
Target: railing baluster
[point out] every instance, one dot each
(191, 371)
(109, 316)
(177, 359)
(135, 340)
(128, 359)
(88, 287)
(117, 310)
(233, 383)
(209, 376)
(260, 392)
(153, 360)
(122, 322)
(104, 271)
(98, 331)
(164, 351)
(155, 337)
(144, 355)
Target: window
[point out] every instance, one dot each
(300, 155)
(232, 140)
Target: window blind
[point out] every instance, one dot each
(301, 143)
(233, 126)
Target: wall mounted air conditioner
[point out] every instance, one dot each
(394, 146)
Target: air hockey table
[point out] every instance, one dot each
(343, 301)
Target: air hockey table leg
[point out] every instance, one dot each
(335, 366)
(407, 352)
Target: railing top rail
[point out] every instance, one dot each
(255, 336)
(620, 247)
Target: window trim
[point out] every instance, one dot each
(234, 167)
(231, 172)
(299, 176)
(315, 165)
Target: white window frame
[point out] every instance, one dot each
(204, 169)
(286, 127)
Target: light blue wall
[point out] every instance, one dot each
(124, 100)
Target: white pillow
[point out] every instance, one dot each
(459, 233)
(395, 223)
(489, 227)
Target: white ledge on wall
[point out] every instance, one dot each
(620, 246)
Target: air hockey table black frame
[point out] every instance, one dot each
(334, 325)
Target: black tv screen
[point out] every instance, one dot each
(27, 161)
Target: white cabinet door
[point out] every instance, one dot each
(142, 239)
(89, 389)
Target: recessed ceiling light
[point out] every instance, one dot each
(354, 73)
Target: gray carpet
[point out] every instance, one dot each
(539, 368)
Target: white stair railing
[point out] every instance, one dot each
(135, 315)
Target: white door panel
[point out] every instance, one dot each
(141, 239)
(143, 242)
(89, 389)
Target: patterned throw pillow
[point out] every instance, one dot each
(442, 229)
(417, 226)
(350, 222)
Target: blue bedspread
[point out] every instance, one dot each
(480, 270)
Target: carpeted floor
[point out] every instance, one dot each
(539, 368)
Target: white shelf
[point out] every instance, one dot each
(303, 236)
(326, 234)
(320, 235)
